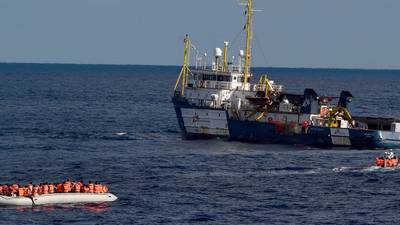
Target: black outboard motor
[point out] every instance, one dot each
(310, 103)
(345, 98)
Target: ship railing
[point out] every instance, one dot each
(217, 84)
(201, 68)
(236, 69)
(220, 68)
(261, 87)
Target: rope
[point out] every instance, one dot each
(259, 44)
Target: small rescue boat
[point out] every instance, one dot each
(388, 160)
(57, 198)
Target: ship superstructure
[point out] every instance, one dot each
(205, 96)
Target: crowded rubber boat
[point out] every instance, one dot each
(387, 160)
(54, 193)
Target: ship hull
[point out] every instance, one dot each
(386, 139)
(258, 132)
(322, 137)
(200, 122)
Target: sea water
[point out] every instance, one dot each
(117, 125)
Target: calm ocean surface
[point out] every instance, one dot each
(61, 121)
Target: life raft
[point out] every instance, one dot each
(385, 162)
(56, 198)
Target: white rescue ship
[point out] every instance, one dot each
(208, 95)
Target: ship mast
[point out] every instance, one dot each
(249, 26)
(185, 68)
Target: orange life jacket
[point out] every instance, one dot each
(105, 189)
(21, 192)
(14, 189)
(26, 192)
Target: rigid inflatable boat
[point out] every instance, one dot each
(56, 198)
(385, 162)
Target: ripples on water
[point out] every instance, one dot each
(115, 124)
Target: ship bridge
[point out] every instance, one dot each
(230, 80)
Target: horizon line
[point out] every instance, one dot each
(154, 65)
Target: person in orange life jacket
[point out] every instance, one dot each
(26, 191)
(66, 187)
(6, 189)
(14, 189)
(98, 188)
(40, 191)
(45, 188)
(68, 181)
(85, 189)
(77, 187)
(70, 185)
(36, 190)
(105, 189)
(82, 184)
(30, 188)
(21, 191)
(91, 187)
(1, 189)
(51, 188)
(59, 188)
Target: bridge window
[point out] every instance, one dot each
(209, 77)
(224, 78)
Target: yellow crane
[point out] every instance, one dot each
(185, 68)
(334, 112)
(249, 36)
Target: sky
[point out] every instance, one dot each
(288, 33)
